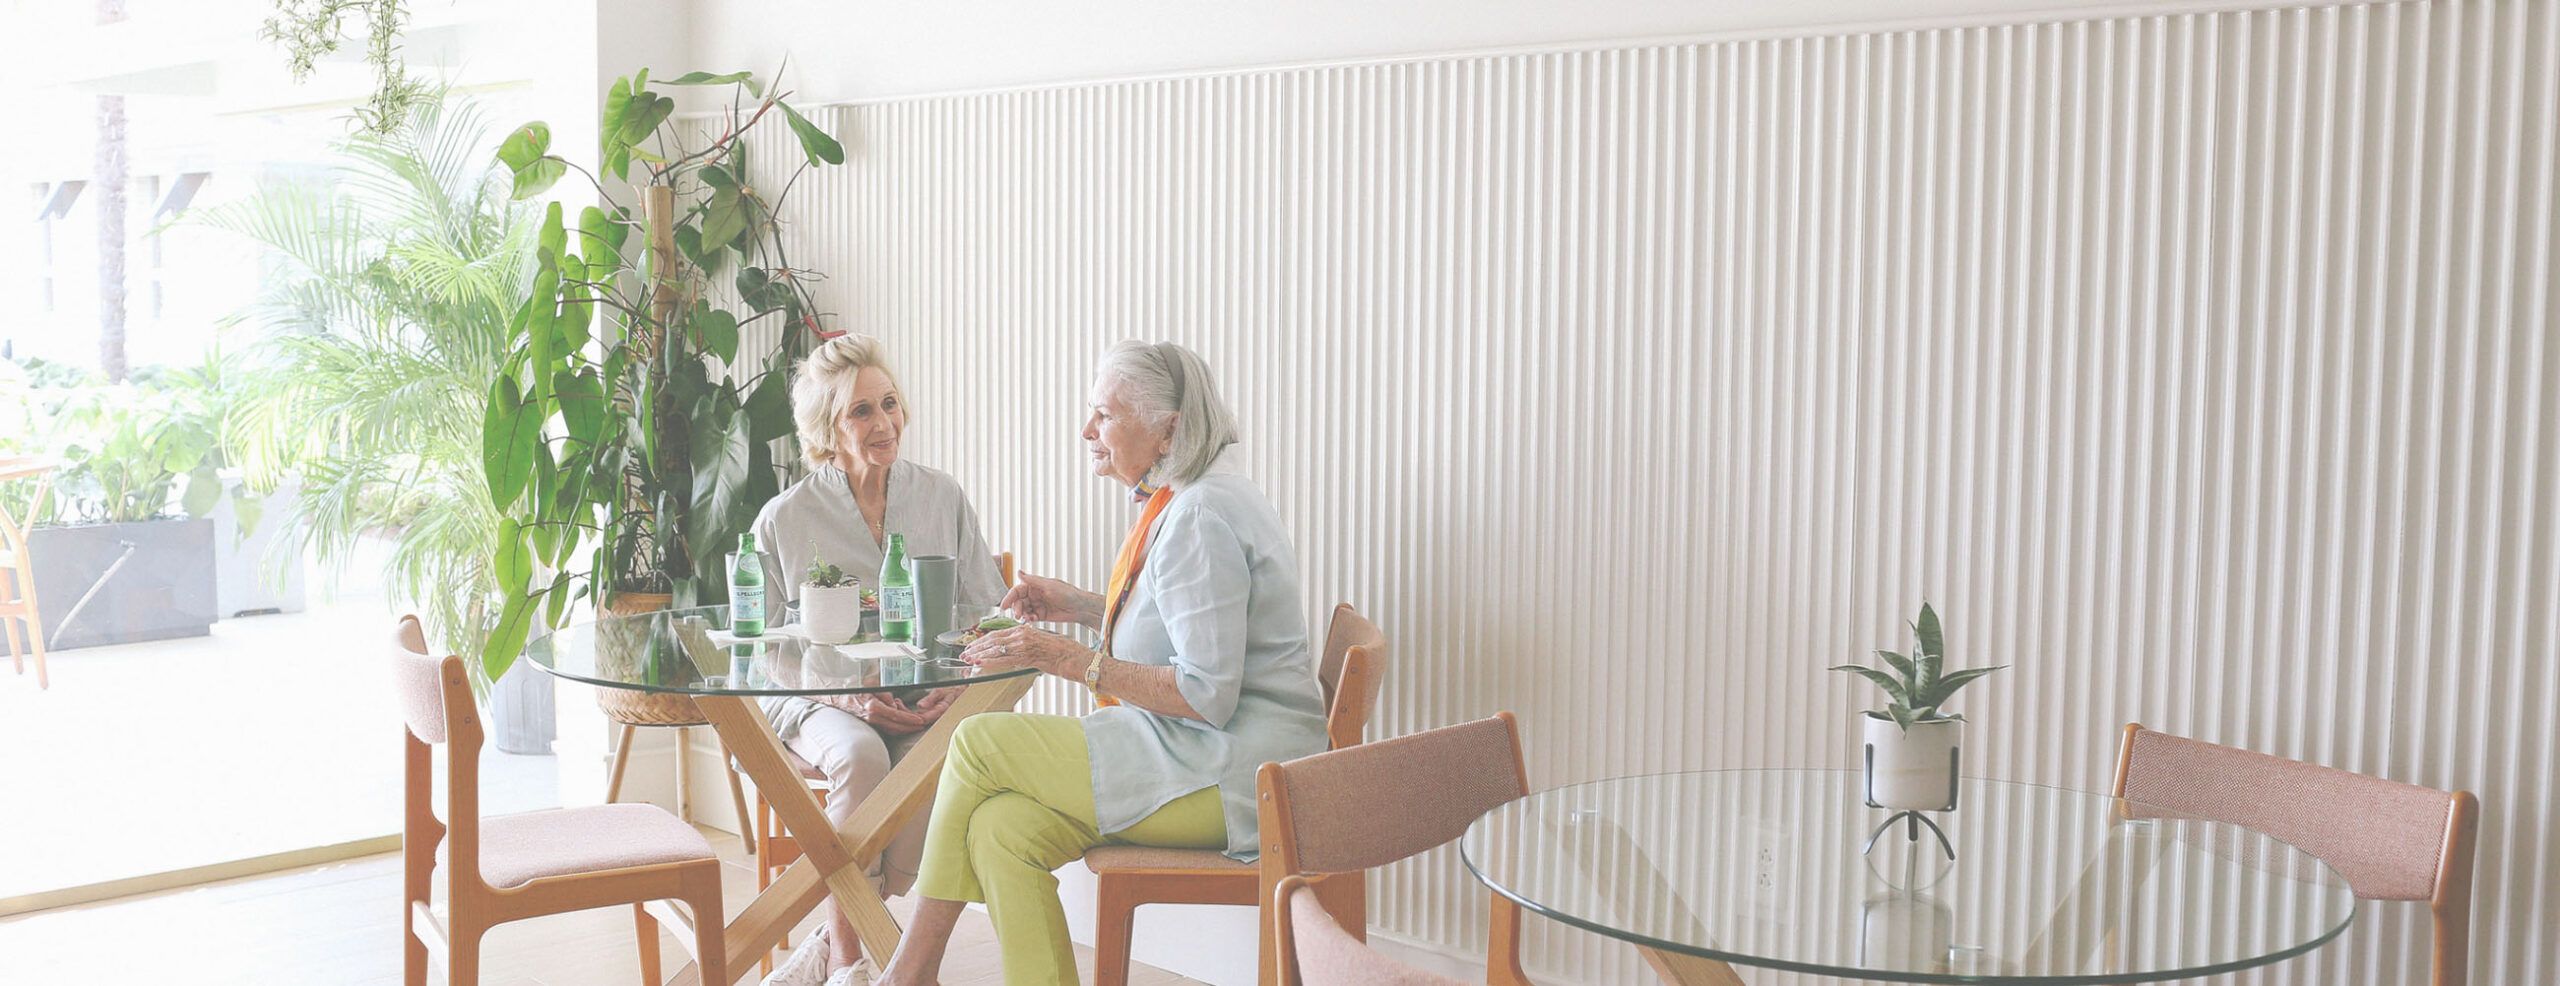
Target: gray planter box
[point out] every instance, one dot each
(164, 589)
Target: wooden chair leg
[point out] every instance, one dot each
(648, 928)
(711, 955)
(462, 959)
(621, 759)
(413, 956)
(1114, 922)
(738, 798)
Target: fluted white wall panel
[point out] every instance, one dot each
(2195, 365)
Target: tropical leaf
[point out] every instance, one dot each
(708, 79)
(508, 432)
(768, 410)
(526, 145)
(813, 141)
(717, 332)
(538, 177)
(514, 627)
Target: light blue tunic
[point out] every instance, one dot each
(1218, 600)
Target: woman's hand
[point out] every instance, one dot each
(1040, 599)
(1024, 646)
(892, 717)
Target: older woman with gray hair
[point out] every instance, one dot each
(853, 418)
(1203, 675)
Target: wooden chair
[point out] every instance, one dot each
(513, 867)
(2391, 841)
(21, 627)
(1348, 810)
(1355, 656)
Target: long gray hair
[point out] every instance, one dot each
(1163, 381)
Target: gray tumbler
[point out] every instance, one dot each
(935, 577)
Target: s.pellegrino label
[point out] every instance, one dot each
(897, 593)
(746, 589)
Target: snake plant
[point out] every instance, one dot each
(1920, 684)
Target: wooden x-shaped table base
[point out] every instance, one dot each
(828, 854)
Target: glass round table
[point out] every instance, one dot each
(693, 652)
(1764, 868)
(690, 655)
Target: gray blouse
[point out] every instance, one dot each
(1217, 599)
(925, 505)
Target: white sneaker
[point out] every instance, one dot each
(858, 974)
(807, 965)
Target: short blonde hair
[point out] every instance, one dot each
(822, 384)
(1161, 381)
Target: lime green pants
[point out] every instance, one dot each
(1016, 801)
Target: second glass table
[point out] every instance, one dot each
(1763, 868)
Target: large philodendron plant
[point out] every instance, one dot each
(644, 436)
(1920, 684)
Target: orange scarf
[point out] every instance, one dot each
(1124, 571)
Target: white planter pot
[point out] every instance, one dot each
(831, 616)
(1915, 768)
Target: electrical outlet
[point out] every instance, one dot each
(1772, 850)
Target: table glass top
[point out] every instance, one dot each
(1763, 868)
(692, 652)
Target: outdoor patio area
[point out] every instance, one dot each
(270, 735)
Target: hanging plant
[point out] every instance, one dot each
(310, 29)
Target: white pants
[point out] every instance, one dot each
(855, 757)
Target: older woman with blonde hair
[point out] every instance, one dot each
(852, 419)
(1203, 674)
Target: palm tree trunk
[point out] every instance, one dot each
(109, 174)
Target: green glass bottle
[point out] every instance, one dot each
(897, 593)
(746, 588)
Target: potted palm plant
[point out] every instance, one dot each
(1912, 743)
(386, 319)
(624, 426)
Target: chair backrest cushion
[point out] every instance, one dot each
(417, 682)
(1329, 956)
(2385, 837)
(1376, 803)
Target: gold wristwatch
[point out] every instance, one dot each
(1093, 675)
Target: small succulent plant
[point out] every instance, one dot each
(823, 574)
(1924, 684)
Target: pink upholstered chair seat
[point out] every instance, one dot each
(1329, 956)
(1153, 858)
(518, 849)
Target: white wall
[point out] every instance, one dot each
(2194, 365)
(871, 48)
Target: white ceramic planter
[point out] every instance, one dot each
(831, 616)
(1912, 768)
